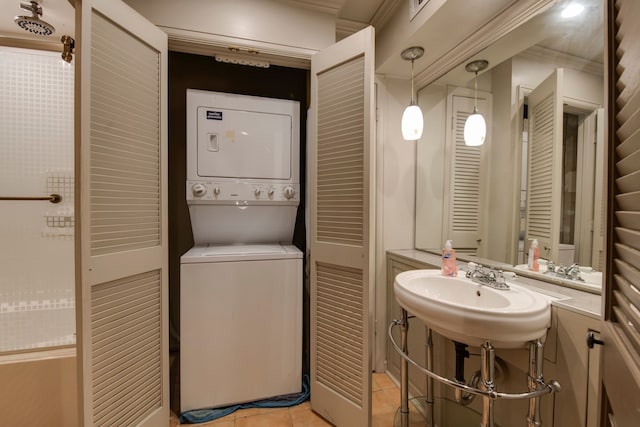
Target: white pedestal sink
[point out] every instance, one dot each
(472, 313)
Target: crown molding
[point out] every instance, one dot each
(511, 17)
(563, 59)
(208, 44)
(384, 13)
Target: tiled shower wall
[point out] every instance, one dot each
(36, 237)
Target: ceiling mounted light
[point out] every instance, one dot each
(242, 60)
(412, 121)
(571, 10)
(475, 128)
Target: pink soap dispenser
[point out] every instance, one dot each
(449, 266)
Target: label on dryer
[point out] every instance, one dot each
(214, 115)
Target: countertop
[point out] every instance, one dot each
(575, 300)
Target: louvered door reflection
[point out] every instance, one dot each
(544, 166)
(122, 275)
(341, 241)
(463, 218)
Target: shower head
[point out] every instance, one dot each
(33, 23)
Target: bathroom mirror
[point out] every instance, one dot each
(540, 171)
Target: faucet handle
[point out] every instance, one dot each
(551, 267)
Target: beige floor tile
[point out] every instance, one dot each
(380, 403)
(250, 412)
(218, 423)
(383, 382)
(274, 419)
(304, 406)
(385, 400)
(305, 417)
(392, 396)
(382, 419)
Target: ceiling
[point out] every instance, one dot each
(576, 42)
(59, 13)
(351, 15)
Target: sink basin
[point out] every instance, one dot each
(471, 313)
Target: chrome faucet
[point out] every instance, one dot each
(486, 276)
(572, 272)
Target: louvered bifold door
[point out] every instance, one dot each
(621, 327)
(544, 166)
(463, 216)
(121, 251)
(341, 246)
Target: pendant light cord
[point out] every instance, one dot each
(413, 102)
(475, 93)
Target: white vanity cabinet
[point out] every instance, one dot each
(568, 359)
(576, 367)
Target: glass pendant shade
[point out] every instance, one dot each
(412, 123)
(475, 130)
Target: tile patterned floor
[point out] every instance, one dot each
(385, 400)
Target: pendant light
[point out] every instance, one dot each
(475, 128)
(412, 121)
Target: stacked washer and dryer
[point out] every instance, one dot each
(241, 284)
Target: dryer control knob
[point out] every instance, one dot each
(199, 190)
(271, 192)
(257, 192)
(289, 192)
(216, 191)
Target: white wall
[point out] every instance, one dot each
(430, 168)
(266, 23)
(395, 193)
(36, 257)
(577, 85)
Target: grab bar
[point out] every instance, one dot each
(53, 198)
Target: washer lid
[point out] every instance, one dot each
(219, 253)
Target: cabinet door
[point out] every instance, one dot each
(572, 368)
(593, 385)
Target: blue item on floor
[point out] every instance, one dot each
(205, 415)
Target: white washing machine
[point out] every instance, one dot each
(241, 284)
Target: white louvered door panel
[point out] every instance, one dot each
(599, 197)
(463, 217)
(544, 166)
(341, 243)
(121, 262)
(620, 367)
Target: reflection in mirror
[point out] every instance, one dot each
(539, 174)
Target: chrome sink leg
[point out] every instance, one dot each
(487, 371)
(535, 381)
(404, 371)
(430, 395)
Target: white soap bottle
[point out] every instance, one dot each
(449, 266)
(534, 256)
